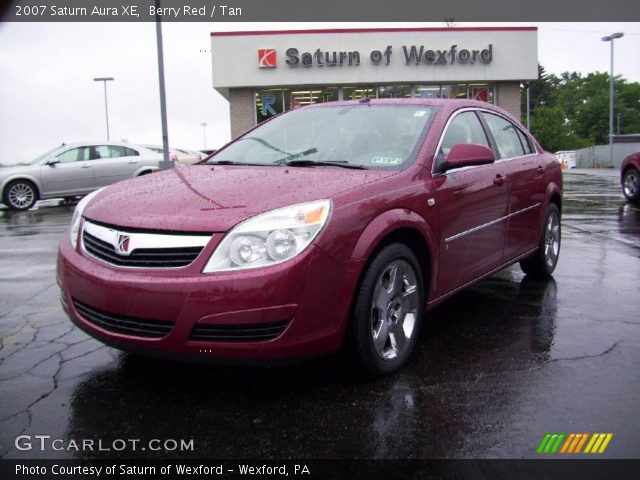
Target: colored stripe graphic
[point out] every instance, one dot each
(550, 443)
(598, 443)
(573, 443)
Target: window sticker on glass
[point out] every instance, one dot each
(387, 160)
(420, 113)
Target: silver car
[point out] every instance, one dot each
(74, 169)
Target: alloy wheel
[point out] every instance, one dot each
(21, 195)
(552, 239)
(394, 309)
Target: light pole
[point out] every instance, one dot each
(204, 134)
(611, 38)
(527, 85)
(104, 80)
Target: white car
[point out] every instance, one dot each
(74, 169)
(179, 155)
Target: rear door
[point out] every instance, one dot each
(115, 163)
(472, 203)
(525, 178)
(72, 175)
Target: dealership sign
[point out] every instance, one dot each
(411, 55)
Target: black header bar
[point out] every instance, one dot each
(313, 11)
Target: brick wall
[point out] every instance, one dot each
(508, 97)
(241, 110)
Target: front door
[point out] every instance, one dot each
(71, 175)
(473, 208)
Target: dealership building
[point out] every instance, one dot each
(263, 73)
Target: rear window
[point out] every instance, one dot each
(506, 136)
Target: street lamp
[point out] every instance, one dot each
(204, 133)
(611, 38)
(104, 80)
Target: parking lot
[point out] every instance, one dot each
(497, 367)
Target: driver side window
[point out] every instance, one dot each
(75, 155)
(464, 128)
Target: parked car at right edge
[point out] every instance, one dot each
(630, 177)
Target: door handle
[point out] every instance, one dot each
(540, 169)
(86, 165)
(499, 180)
(132, 161)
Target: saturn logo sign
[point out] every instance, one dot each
(267, 58)
(122, 247)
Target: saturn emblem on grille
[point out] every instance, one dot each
(122, 247)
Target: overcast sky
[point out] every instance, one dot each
(47, 95)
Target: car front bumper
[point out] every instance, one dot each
(305, 302)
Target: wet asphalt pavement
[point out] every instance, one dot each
(497, 367)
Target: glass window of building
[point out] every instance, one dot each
(428, 91)
(269, 103)
(481, 91)
(454, 91)
(299, 97)
(359, 92)
(394, 91)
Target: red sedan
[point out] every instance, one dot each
(330, 224)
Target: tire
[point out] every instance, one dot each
(388, 310)
(631, 185)
(544, 261)
(20, 195)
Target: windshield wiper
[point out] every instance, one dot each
(229, 162)
(295, 156)
(326, 163)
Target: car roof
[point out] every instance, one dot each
(453, 103)
(93, 143)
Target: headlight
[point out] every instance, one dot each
(77, 217)
(271, 237)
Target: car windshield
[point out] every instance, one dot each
(357, 136)
(40, 158)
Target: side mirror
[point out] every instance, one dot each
(53, 161)
(469, 154)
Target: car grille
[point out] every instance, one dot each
(238, 333)
(138, 327)
(142, 257)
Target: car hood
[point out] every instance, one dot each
(207, 198)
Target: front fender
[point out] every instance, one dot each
(371, 236)
(384, 225)
(21, 176)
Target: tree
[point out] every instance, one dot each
(550, 127)
(583, 103)
(541, 91)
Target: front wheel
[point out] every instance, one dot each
(631, 185)
(544, 261)
(388, 310)
(20, 195)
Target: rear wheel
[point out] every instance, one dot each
(20, 195)
(388, 310)
(631, 185)
(544, 261)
